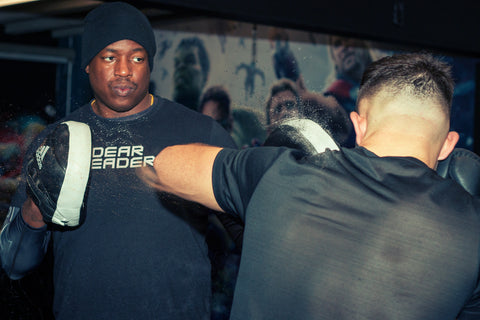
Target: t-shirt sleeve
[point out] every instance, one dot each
(471, 310)
(236, 173)
(220, 137)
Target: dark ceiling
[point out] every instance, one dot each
(450, 26)
(42, 21)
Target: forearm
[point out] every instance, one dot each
(186, 171)
(22, 247)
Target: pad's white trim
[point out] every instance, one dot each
(314, 133)
(77, 173)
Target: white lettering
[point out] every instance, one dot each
(122, 163)
(109, 162)
(96, 163)
(137, 150)
(110, 151)
(148, 160)
(136, 162)
(97, 152)
(124, 151)
(120, 157)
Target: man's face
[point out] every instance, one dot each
(211, 109)
(119, 76)
(283, 105)
(350, 56)
(187, 77)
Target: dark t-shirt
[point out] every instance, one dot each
(349, 235)
(139, 254)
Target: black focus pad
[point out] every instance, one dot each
(57, 174)
(302, 134)
(463, 166)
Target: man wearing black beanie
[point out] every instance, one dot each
(135, 254)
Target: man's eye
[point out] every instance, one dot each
(109, 59)
(289, 105)
(138, 59)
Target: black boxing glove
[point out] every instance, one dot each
(302, 134)
(57, 175)
(463, 166)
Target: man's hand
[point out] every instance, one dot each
(57, 174)
(31, 214)
(149, 177)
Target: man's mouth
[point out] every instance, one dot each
(123, 89)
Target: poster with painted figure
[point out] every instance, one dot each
(269, 74)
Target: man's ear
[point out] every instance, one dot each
(87, 69)
(359, 125)
(448, 145)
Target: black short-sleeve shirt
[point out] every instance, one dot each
(349, 235)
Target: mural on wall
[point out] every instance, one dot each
(289, 72)
(248, 77)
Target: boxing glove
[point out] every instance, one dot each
(463, 166)
(302, 134)
(57, 174)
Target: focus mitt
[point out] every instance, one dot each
(463, 166)
(58, 173)
(303, 134)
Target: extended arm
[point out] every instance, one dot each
(185, 171)
(55, 176)
(23, 240)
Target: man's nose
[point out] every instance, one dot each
(123, 68)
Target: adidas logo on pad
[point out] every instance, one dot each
(40, 154)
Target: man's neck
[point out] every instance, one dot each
(110, 112)
(401, 145)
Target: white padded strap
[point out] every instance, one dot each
(314, 133)
(76, 176)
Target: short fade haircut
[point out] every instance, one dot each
(418, 74)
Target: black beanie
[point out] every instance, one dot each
(112, 22)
